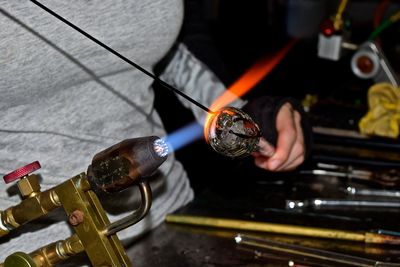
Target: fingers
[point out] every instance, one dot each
(265, 149)
(286, 129)
(289, 151)
(296, 154)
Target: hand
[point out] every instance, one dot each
(290, 150)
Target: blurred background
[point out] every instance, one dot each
(230, 36)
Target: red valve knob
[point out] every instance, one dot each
(21, 172)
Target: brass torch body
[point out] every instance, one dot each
(125, 164)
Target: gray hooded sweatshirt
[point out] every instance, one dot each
(64, 98)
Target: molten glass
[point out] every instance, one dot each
(232, 132)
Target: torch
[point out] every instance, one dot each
(128, 163)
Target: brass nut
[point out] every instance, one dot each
(76, 217)
(29, 185)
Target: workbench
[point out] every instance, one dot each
(183, 245)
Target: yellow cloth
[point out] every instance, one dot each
(383, 116)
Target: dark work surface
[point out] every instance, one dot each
(263, 200)
(182, 246)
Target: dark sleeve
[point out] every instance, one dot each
(196, 34)
(264, 111)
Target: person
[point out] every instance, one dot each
(65, 98)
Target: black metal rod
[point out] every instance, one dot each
(166, 85)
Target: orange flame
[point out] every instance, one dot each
(247, 81)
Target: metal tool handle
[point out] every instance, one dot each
(319, 203)
(312, 253)
(137, 215)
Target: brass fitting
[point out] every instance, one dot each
(57, 252)
(19, 259)
(46, 256)
(29, 186)
(35, 205)
(3, 227)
